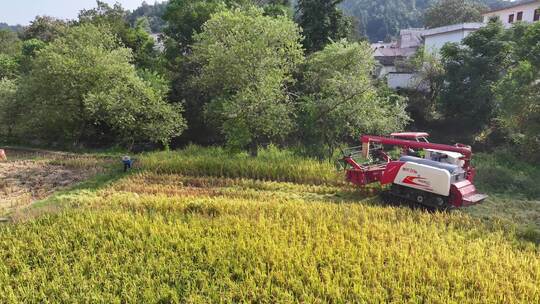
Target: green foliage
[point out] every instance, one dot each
(427, 85)
(505, 173)
(491, 83)
(270, 164)
(9, 66)
(447, 12)
(472, 69)
(518, 92)
(341, 100)
(9, 43)
(31, 46)
(153, 13)
(322, 22)
(137, 38)
(276, 8)
(246, 60)
(8, 106)
(45, 28)
(186, 17)
(10, 48)
(82, 89)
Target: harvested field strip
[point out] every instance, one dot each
(28, 176)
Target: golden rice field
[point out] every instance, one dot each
(172, 235)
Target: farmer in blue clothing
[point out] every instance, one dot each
(126, 160)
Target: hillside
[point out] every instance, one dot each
(378, 20)
(194, 226)
(15, 28)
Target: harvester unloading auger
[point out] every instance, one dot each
(434, 175)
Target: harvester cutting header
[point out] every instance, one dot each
(435, 175)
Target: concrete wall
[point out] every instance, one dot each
(527, 9)
(401, 80)
(434, 43)
(385, 70)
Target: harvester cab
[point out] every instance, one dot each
(435, 175)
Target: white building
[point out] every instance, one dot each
(527, 11)
(436, 38)
(390, 54)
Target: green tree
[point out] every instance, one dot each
(153, 12)
(9, 66)
(276, 7)
(322, 21)
(186, 17)
(246, 60)
(341, 100)
(447, 12)
(137, 38)
(518, 92)
(10, 49)
(427, 85)
(8, 107)
(82, 89)
(9, 43)
(45, 28)
(472, 69)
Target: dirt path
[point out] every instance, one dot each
(28, 176)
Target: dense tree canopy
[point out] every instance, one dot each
(446, 12)
(341, 100)
(10, 47)
(238, 68)
(136, 37)
(246, 61)
(153, 13)
(45, 28)
(322, 21)
(9, 43)
(518, 92)
(82, 89)
(186, 17)
(471, 71)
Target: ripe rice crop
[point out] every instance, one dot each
(139, 241)
(271, 164)
(157, 236)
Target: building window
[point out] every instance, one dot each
(537, 15)
(519, 16)
(511, 18)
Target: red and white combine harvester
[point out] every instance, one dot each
(434, 175)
